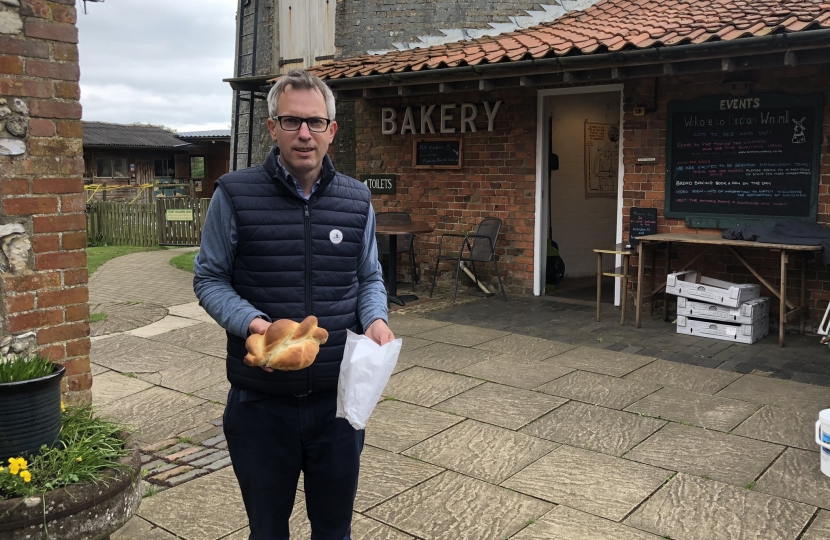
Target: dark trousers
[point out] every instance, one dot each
(271, 439)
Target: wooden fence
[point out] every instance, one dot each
(148, 224)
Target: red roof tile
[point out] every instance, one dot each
(609, 25)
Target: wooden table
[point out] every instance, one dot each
(626, 253)
(785, 250)
(393, 230)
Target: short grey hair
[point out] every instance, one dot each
(300, 79)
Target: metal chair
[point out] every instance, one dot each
(482, 249)
(406, 242)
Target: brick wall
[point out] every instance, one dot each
(644, 184)
(498, 178)
(41, 187)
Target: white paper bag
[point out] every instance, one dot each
(364, 372)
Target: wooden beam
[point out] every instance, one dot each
(617, 74)
(728, 65)
(790, 59)
(485, 85)
(369, 93)
(527, 81)
(668, 69)
(445, 88)
(569, 77)
(404, 90)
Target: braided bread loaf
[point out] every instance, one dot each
(286, 345)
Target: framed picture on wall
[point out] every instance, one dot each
(602, 164)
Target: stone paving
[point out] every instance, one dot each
(492, 428)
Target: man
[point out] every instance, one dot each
(285, 240)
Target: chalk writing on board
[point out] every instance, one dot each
(758, 160)
(437, 153)
(643, 221)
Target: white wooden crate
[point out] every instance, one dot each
(746, 313)
(739, 333)
(691, 284)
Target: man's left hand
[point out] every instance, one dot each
(379, 332)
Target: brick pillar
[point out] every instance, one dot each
(43, 276)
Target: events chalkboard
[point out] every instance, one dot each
(642, 223)
(436, 154)
(754, 156)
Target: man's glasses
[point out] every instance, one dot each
(293, 123)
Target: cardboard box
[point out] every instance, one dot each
(746, 313)
(739, 333)
(690, 284)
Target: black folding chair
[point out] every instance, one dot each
(482, 249)
(406, 242)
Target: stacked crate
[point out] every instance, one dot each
(718, 309)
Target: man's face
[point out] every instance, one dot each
(302, 151)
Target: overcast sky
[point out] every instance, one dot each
(158, 62)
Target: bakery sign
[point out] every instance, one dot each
(434, 119)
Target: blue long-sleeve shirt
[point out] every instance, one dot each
(214, 266)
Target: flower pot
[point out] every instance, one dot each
(30, 414)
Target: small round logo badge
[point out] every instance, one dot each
(335, 236)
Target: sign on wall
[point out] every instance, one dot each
(436, 154)
(642, 222)
(602, 164)
(446, 118)
(380, 184)
(179, 214)
(755, 156)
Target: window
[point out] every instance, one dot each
(197, 167)
(111, 168)
(164, 168)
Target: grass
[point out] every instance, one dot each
(96, 256)
(21, 368)
(88, 451)
(97, 317)
(184, 261)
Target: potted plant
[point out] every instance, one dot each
(30, 404)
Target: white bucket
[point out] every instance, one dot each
(823, 439)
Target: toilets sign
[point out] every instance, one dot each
(434, 119)
(380, 184)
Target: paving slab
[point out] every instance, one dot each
(769, 391)
(728, 458)
(783, 425)
(819, 529)
(369, 529)
(462, 335)
(427, 386)
(140, 529)
(526, 346)
(395, 425)
(182, 420)
(203, 509)
(111, 386)
(411, 325)
(444, 357)
(602, 485)
(207, 338)
(704, 410)
(684, 376)
(123, 316)
(189, 377)
(797, 476)
(129, 354)
(384, 475)
(97, 369)
(501, 405)
(483, 451)
(171, 322)
(595, 428)
(190, 310)
(217, 393)
(601, 361)
(400, 366)
(563, 523)
(516, 371)
(410, 343)
(598, 389)
(693, 508)
(149, 406)
(451, 506)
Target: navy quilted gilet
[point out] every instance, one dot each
(296, 258)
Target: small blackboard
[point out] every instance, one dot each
(436, 154)
(643, 222)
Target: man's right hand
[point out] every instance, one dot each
(259, 326)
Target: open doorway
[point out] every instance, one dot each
(581, 195)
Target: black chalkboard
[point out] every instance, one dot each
(436, 154)
(754, 156)
(642, 223)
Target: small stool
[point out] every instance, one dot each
(626, 252)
